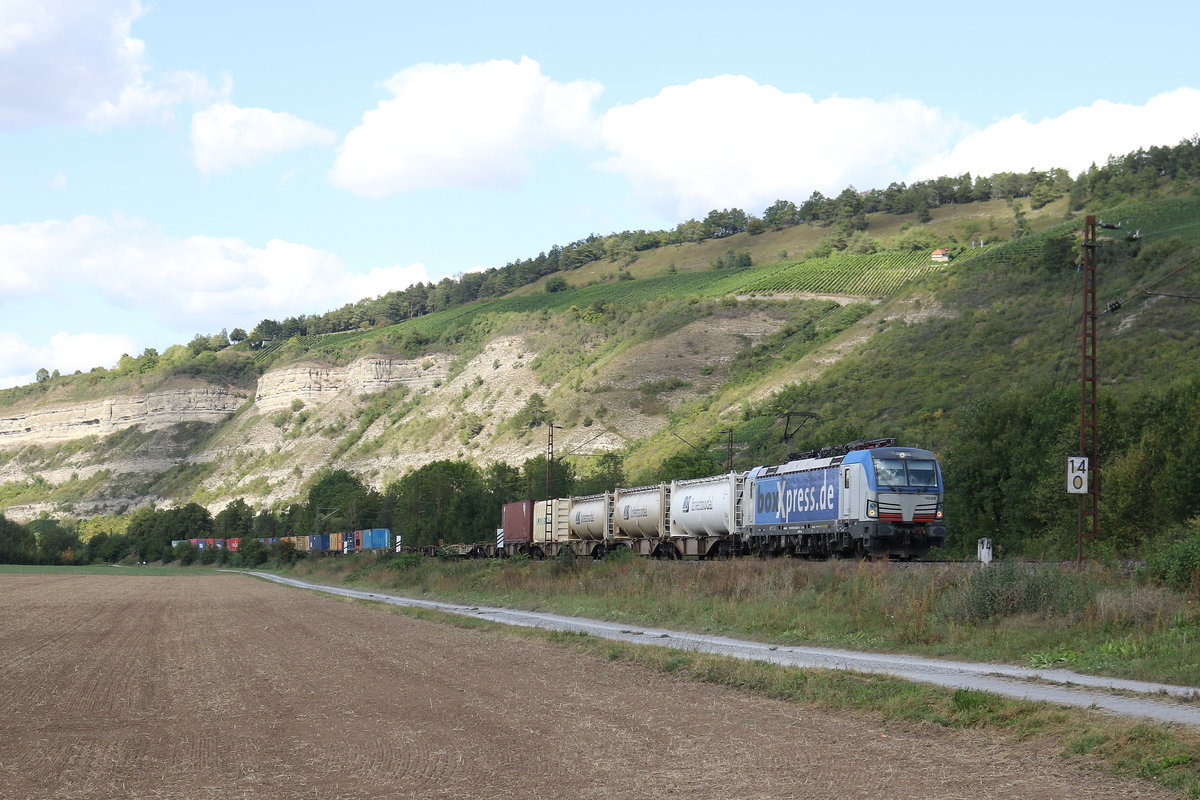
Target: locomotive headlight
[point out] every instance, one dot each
(872, 510)
(938, 513)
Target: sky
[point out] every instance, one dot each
(180, 167)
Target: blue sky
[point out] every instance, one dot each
(175, 168)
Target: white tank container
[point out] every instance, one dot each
(707, 506)
(638, 513)
(589, 516)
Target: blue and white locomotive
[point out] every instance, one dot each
(868, 498)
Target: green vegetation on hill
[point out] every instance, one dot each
(852, 222)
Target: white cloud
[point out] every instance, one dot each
(1073, 140)
(198, 283)
(728, 140)
(152, 102)
(226, 136)
(65, 352)
(69, 61)
(462, 126)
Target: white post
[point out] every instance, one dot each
(984, 549)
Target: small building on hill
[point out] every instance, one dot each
(941, 254)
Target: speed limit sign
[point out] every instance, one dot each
(1077, 475)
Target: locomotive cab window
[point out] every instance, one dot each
(917, 473)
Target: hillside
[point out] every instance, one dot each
(647, 359)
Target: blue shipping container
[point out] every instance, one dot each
(376, 539)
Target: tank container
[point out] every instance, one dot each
(640, 513)
(707, 506)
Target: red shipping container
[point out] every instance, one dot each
(517, 521)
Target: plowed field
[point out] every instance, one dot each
(129, 686)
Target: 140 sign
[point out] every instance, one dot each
(1077, 475)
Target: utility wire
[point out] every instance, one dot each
(1180, 296)
(1116, 305)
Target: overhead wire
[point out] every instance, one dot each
(1116, 305)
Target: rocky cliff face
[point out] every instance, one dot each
(152, 411)
(316, 384)
(378, 417)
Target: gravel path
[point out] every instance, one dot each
(1125, 697)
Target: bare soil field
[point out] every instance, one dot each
(202, 686)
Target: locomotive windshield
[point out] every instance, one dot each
(914, 472)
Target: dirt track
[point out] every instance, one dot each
(225, 687)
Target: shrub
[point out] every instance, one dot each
(1177, 563)
(406, 561)
(1010, 588)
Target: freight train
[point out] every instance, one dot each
(364, 541)
(863, 499)
(858, 500)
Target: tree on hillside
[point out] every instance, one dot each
(339, 500)
(850, 214)
(727, 222)
(817, 208)
(56, 543)
(607, 472)
(562, 478)
(781, 214)
(106, 547)
(234, 521)
(17, 543)
(503, 484)
(441, 501)
(684, 466)
(267, 524)
(266, 331)
(534, 414)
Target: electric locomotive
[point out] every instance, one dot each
(861, 499)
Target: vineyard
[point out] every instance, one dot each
(874, 275)
(870, 276)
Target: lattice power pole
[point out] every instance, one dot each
(550, 426)
(1089, 437)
